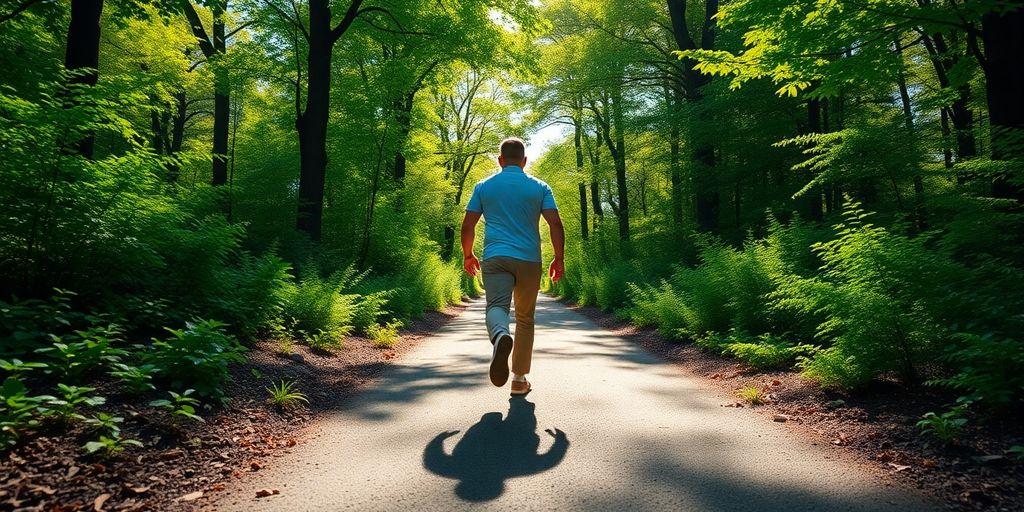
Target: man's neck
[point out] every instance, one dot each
(512, 167)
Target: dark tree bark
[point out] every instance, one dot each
(620, 165)
(215, 48)
(908, 119)
(672, 101)
(83, 55)
(312, 122)
(578, 144)
(1003, 37)
(705, 180)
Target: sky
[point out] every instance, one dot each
(540, 140)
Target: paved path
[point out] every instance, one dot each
(633, 433)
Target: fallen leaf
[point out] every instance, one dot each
(97, 504)
(256, 465)
(218, 487)
(263, 493)
(776, 382)
(899, 467)
(72, 471)
(292, 442)
(172, 454)
(780, 418)
(49, 491)
(192, 496)
(139, 489)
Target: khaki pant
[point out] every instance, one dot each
(507, 279)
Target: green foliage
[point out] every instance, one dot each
(137, 379)
(753, 395)
(71, 399)
(181, 405)
(879, 300)
(110, 445)
(19, 412)
(105, 422)
(990, 369)
(370, 307)
(285, 394)
(946, 427)
(318, 310)
(384, 336)
(765, 351)
(74, 355)
(17, 368)
(196, 357)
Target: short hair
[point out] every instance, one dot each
(512, 148)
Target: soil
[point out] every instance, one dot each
(183, 462)
(876, 427)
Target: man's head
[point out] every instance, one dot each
(512, 151)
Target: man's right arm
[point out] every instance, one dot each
(554, 221)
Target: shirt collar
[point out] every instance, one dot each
(512, 168)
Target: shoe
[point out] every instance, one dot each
(521, 387)
(499, 360)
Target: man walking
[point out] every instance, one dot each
(512, 203)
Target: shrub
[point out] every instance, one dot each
(251, 298)
(384, 336)
(70, 399)
(19, 412)
(76, 354)
(370, 307)
(877, 301)
(752, 395)
(137, 379)
(947, 427)
(765, 351)
(990, 369)
(317, 307)
(196, 357)
(661, 307)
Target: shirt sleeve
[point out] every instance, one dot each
(474, 204)
(549, 199)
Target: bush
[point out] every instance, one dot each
(196, 357)
(765, 351)
(384, 336)
(81, 352)
(19, 412)
(370, 307)
(990, 369)
(317, 307)
(877, 301)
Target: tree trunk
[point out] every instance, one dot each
(620, 165)
(908, 119)
(1003, 36)
(221, 97)
(673, 100)
(83, 53)
(578, 143)
(312, 124)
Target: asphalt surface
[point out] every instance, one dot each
(607, 426)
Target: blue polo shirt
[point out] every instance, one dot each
(511, 201)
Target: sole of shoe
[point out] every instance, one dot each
(523, 393)
(499, 360)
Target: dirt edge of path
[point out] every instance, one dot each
(874, 429)
(184, 465)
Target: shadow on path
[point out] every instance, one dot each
(494, 450)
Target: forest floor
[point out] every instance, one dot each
(183, 463)
(875, 428)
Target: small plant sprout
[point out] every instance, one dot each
(752, 395)
(180, 405)
(946, 427)
(110, 445)
(256, 374)
(107, 422)
(284, 394)
(138, 379)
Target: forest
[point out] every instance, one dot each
(833, 186)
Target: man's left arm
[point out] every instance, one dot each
(468, 236)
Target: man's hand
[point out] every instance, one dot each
(556, 270)
(471, 265)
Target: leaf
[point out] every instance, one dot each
(100, 500)
(192, 496)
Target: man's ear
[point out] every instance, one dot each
(524, 162)
(501, 160)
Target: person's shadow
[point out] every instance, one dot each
(494, 450)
